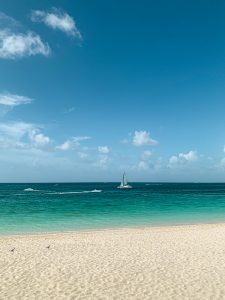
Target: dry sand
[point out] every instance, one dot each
(180, 262)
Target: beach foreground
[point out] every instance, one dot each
(176, 262)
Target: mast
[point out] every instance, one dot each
(123, 184)
(124, 179)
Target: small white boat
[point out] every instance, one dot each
(124, 184)
(29, 190)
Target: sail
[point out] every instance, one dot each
(123, 184)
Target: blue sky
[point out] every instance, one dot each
(91, 88)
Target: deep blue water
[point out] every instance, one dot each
(72, 206)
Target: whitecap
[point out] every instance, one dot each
(64, 193)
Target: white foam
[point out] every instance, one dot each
(96, 191)
(82, 192)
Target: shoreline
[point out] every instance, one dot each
(110, 229)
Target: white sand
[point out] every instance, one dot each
(180, 262)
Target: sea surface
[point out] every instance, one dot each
(49, 207)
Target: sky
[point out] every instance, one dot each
(89, 89)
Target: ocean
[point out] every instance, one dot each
(50, 207)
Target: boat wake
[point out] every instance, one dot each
(30, 190)
(96, 191)
(82, 192)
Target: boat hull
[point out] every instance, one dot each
(125, 187)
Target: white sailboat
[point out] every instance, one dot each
(123, 184)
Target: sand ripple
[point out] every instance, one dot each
(157, 263)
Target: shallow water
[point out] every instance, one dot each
(69, 206)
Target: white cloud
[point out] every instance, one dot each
(103, 149)
(64, 146)
(15, 130)
(143, 165)
(142, 138)
(183, 157)
(72, 143)
(103, 157)
(57, 19)
(13, 100)
(103, 161)
(76, 140)
(9, 101)
(39, 139)
(190, 156)
(21, 135)
(17, 45)
(173, 159)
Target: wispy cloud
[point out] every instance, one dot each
(69, 110)
(9, 101)
(72, 143)
(17, 45)
(78, 139)
(142, 138)
(13, 100)
(57, 19)
(7, 21)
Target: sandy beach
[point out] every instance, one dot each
(177, 262)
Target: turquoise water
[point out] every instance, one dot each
(72, 206)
